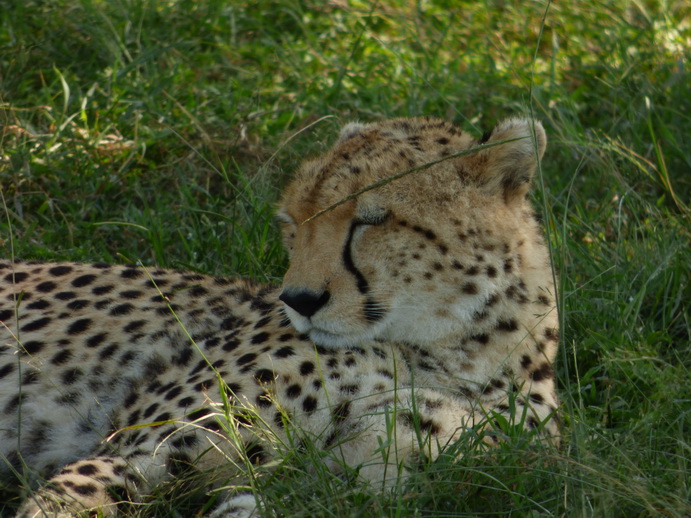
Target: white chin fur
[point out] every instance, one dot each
(331, 340)
(326, 338)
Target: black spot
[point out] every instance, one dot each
(492, 301)
(491, 271)
(185, 402)
(150, 410)
(46, 287)
(260, 338)
(497, 383)
(306, 368)
(133, 326)
(7, 369)
(179, 465)
(473, 270)
(284, 352)
(165, 416)
(61, 358)
(184, 441)
(255, 453)
(443, 141)
(131, 399)
(245, 359)
(469, 288)
(293, 391)
(84, 489)
(13, 403)
(16, 277)
(212, 342)
(262, 322)
(131, 273)
(121, 310)
(526, 361)
(126, 358)
(481, 338)
(108, 351)
(543, 372)
(262, 306)
(264, 376)
(198, 414)
(96, 340)
(385, 373)
(130, 294)
(102, 290)
(87, 469)
(36, 324)
(83, 280)
(76, 305)
(173, 393)
(58, 271)
(38, 304)
(65, 295)
(71, 376)
(425, 232)
(264, 400)
(341, 412)
(231, 345)
(309, 404)
(32, 347)
(233, 389)
(79, 326)
(537, 398)
(507, 325)
(198, 291)
(552, 334)
(183, 357)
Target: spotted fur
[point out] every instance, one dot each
(431, 297)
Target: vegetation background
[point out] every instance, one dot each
(162, 131)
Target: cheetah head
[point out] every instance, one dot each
(419, 258)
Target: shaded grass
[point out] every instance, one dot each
(161, 132)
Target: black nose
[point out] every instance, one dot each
(305, 302)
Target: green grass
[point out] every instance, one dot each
(161, 132)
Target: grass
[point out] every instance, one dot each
(161, 132)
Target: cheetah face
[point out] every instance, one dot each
(417, 259)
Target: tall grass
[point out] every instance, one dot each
(161, 132)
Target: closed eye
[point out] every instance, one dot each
(283, 218)
(374, 216)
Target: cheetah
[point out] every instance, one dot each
(424, 306)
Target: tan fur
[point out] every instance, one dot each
(430, 299)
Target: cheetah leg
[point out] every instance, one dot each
(96, 483)
(239, 506)
(423, 423)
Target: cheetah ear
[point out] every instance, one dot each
(350, 130)
(509, 168)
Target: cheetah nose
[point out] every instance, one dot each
(305, 302)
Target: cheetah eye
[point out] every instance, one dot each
(288, 228)
(284, 218)
(373, 216)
